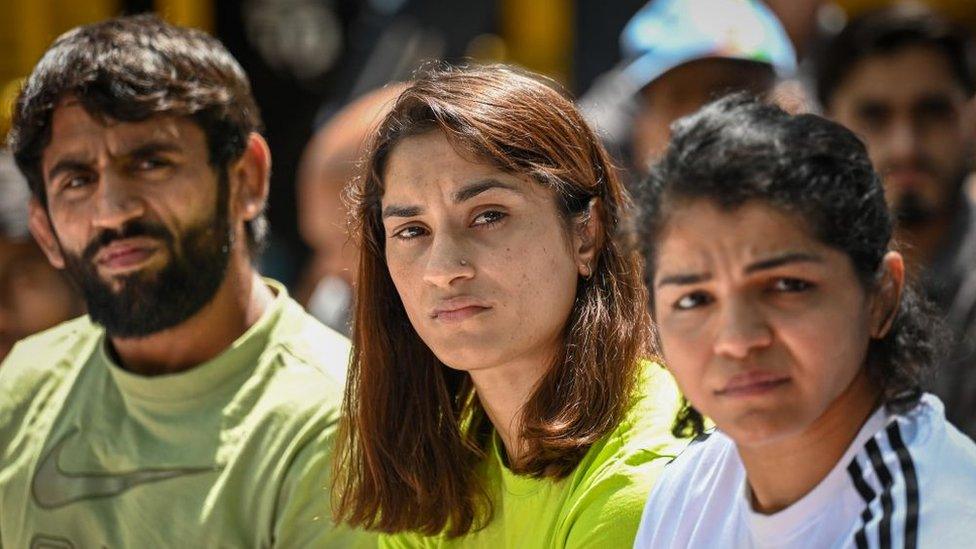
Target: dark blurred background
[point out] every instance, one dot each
(307, 58)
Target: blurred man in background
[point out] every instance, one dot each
(33, 295)
(195, 405)
(902, 79)
(678, 56)
(330, 161)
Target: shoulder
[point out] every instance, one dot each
(612, 482)
(707, 475)
(45, 358)
(922, 472)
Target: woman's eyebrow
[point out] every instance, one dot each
(783, 259)
(394, 210)
(472, 190)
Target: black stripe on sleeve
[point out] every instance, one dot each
(867, 494)
(877, 462)
(911, 485)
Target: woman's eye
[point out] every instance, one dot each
(692, 300)
(408, 233)
(489, 217)
(791, 285)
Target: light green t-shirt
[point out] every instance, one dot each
(232, 453)
(598, 505)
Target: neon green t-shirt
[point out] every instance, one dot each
(232, 453)
(598, 505)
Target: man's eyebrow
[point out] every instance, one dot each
(474, 189)
(68, 164)
(783, 259)
(153, 147)
(683, 279)
(401, 211)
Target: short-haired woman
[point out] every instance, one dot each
(784, 316)
(499, 393)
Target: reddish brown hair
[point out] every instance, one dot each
(412, 430)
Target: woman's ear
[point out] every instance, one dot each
(588, 237)
(888, 296)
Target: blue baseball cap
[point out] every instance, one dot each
(667, 33)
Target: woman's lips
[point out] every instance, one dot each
(752, 383)
(457, 309)
(457, 315)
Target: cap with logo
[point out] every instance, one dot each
(665, 34)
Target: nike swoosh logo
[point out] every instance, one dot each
(53, 487)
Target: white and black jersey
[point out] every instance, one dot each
(907, 480)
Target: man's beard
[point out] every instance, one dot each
(911, 211)
(147, 303)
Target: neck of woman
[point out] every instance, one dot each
(780, 473)
(503, 391)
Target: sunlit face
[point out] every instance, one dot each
(134, 216)
(762, 325)
(482, 260)
(909, 109)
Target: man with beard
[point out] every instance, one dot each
(902, 79)
(195, 404)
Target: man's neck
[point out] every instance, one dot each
(781, 473)
(239, 302)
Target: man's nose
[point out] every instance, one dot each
(116, 202)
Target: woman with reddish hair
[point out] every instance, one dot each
(499, 393)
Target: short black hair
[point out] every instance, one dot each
(130, 69)
(885, 31)
(738, 150)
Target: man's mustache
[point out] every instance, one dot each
(129, 230)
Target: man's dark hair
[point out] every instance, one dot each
(130, 69)
(884, 32)
(738, 150)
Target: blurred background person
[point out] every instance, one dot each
(902, 78)
(330, 161)
(678, 56)
(33, 295)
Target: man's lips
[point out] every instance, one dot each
(126, 253)
(752, 383)
(457, 309)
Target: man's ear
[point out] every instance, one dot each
(40, 226)
(588, 237)
(250, 179)
(888, 296)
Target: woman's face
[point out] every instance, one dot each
(482, 260)
(763, 326)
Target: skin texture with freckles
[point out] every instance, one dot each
(488, 281)
(766, 331)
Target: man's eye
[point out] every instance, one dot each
(692, 300)
(489, 217)
(791, 285)
(76, 182)
(149, 164)
(408, 233)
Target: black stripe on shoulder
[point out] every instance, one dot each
(887, 507)
(911, 485)
(867, 494)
